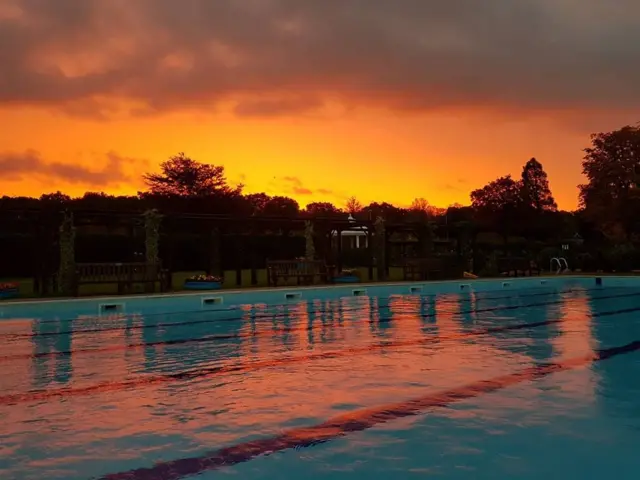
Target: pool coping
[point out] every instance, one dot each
(199, 293)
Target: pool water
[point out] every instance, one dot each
(525, 384)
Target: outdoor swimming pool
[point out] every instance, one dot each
(528, 379)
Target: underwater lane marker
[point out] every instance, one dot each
(142, 381)
(355, 421)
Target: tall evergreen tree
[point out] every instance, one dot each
(535, 187)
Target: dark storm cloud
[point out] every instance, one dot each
(412, 55)
(28, 165)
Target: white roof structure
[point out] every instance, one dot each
(355, 230)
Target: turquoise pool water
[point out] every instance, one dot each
(529, 383)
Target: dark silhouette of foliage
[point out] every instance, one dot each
(257, 203)
(610, 196)
(524, 207)
(535, 187)
(281, 207)
(497, 196)
(322, 209)
(499, 204)
(184, 177)
(384, 210)
(353, 206)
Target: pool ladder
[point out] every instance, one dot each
(562, 265)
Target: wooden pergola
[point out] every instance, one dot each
(41, 227)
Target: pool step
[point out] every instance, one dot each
(211, 301)
(110, 308)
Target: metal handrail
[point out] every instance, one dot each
(559, 261)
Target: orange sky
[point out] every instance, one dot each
(306, 99)
(372, 155)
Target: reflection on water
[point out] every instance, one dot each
(282, 367)
(51, 338)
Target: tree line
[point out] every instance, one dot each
(524, 206)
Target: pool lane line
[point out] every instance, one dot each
(282, 330)
(357, 421)
(198, 373)
(340, 310)
(257, 315)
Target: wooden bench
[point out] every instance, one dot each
(517, 267)
(304, 271)
(122, 274)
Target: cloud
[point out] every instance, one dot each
(296, 187)
(277, 106)
(276, 57)
(293, 185)
(29, 165)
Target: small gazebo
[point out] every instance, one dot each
(355, 237)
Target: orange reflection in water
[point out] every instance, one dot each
(15, 374)
(576, 339)
(110, 365)
(220, 409)
(405, 313)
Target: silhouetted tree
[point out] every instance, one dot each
(281, 207)
(499, 204)
(497, 195)
(611, 165)
(384, 210)
(57, 198)
(459, 213)
(535, 187)
(257, 202)
(353, 206)
(103, 201)
(185, 177)
(322, 209)
(422, 206)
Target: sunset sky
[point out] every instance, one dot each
(386, 100)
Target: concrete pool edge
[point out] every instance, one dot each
(220, 299)
(248, 291)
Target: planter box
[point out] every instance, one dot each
(346, 279)
(202, 285)
(9, 293)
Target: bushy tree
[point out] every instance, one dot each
(499, 204)
(611, 165)
(182, 176)
(322, 209)
(281, 207)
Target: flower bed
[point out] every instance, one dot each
(203, 282)
(347, 276)
(9, 290)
